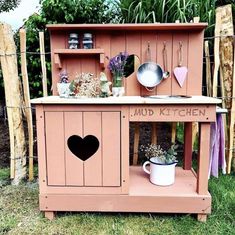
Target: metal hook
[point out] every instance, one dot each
(180, 53)
(180, 44)
(164, 45)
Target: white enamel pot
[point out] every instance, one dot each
(160, 174)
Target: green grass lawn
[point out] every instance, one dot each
(19, 214)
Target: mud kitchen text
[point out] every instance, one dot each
(182, 112)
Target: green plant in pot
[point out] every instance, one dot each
(162, 164)
(116, 66)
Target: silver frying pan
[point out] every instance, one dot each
(149, 74)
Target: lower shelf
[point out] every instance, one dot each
(143, 197)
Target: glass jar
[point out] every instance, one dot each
(87, 41)
(73, 41)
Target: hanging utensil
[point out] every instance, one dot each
(166, 73)
(180, 72)
(149, 74)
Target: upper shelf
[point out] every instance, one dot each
(152, 26)
(59, 52)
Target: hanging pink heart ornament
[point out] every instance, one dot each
(180, 75)
(180, 72)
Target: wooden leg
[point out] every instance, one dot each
(203, 158)
(154, 133)
(202, 217)
(50, 215)
(136, 143)
(173, 132)
(188, 149)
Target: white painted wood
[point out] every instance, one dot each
(160, 99)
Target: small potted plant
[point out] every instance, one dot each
(116, 66)
(63, 85)
(162, 164)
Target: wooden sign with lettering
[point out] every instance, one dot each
(166, 113)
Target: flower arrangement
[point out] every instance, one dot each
(162, 156)
(85, 85)
(116, 66)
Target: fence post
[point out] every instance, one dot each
(43, 63)
(28, 111)
(13, 103)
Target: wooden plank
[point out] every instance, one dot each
(111, 148)
(133, 47)
(169, 113)
(73, 166)
(79, 51)
(177, 39)
(188, 146)
(41, 148)
(93, 166)
(227, 73)
(58, 40)
(226, 50)
(143, 196)
(13, 103)
(103, 42)
(89, 64)
(28, 111)
(121, 27)
(43, 63)
(208, 70)
(125, 140)
(154, 133)
(136, 143)
(216, 54)
(164, 88)
(203, 158)
(173, 132)
(125, 100)
(55, 158)
(195, 62)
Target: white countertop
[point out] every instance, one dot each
(160, 99)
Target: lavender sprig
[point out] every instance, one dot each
(117, 63)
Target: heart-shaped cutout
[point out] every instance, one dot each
(83, 148)
(180, 74)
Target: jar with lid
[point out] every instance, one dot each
(87, 41)
(73, 42)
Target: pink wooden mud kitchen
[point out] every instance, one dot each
(97, 176)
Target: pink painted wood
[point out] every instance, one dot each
(134, 40)
(73, 125)
(203, 158)
(93, 166)
(188, 145)
(111, 156)
(55, 148)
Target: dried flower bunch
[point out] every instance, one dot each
(85, 85)
(117, 63)
(163, 157)
(64, 78)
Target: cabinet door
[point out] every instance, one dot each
(66, 165)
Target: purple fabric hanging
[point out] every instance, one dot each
(217, 153)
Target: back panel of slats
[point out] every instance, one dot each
(136, 42)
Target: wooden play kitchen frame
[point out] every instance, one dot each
(106, 181)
